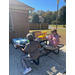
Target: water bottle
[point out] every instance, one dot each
(46, 37)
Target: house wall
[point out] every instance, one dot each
(41, 20)
(20, 22)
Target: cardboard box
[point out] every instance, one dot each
(36, 34)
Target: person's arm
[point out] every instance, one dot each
(49, 37)
(21, 48)
(39, 46)
(54, 41)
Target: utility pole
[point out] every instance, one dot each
(57, 12)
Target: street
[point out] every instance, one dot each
(50, 27)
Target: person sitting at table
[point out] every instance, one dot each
(53, 40)
(33, 52)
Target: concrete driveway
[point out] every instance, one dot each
(49, 65)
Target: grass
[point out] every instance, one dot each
(58, 26)
(61, 32)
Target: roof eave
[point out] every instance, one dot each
(21, 7)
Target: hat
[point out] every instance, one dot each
(29, 36)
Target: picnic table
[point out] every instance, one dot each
(43, 51)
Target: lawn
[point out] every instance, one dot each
(61, 32)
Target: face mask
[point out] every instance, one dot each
(53, 35)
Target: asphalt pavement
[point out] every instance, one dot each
(50, 27)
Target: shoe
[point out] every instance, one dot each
(31, 61)
(27, 70)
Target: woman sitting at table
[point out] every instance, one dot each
(53, 40)
(33, 52)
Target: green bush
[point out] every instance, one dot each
(54, 22)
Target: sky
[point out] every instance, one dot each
(44, 4)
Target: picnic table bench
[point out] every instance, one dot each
(44, 51)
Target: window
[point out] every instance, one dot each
(10, 22)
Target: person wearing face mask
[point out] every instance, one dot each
(53, 40)
(33, 52)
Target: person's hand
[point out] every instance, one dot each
(51, 37)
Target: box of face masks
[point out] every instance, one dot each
(20, 41)
(23, 41)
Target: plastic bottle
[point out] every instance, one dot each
(28, 41)
(46, 36)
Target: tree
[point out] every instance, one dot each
(49, 17)
(32, 13)
(40, 12)
(54, 15)
(47, 11)
(54, 22)
(45, 17)
(62, 15)
(35, 18)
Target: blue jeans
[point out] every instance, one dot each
(23, 60)
(25, 57)
(36, 61)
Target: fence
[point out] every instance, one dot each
(38, 26)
